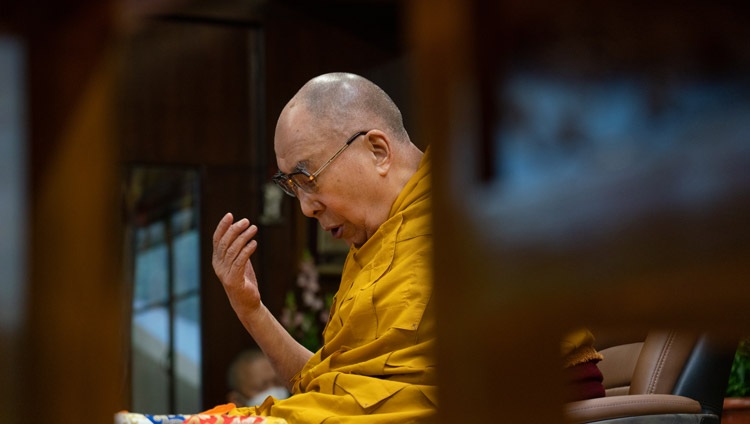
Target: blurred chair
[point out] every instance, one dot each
(669, 377)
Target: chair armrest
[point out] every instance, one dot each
(585, 411)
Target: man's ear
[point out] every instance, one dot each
(380, 146)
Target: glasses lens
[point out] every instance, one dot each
(304, 181)
(285, 183)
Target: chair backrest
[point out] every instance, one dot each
(618, 367)
(670, 362)
(706, 373)
(661, 362)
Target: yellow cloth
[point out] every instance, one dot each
(577, 347)
(377, 364)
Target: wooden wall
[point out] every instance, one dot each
(190, 97)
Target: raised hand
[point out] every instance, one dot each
(233, 245)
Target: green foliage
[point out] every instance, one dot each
(739, 376)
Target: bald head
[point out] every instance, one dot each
(347, 102)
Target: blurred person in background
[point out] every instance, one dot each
(251, 379)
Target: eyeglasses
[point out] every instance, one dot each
(304, 180)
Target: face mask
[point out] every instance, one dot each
(277, 392)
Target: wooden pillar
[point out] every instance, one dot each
(511, 275)
(70, 363)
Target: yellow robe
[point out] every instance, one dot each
(577, 347)
(377, 363)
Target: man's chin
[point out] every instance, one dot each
(354, 243)
(356, 240)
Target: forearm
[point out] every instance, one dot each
(287, 356)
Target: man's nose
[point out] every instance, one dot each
(309, 205)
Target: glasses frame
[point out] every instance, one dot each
(287, 183)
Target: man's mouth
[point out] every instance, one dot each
(337, 232)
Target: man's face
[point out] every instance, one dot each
(345, 200)
(258, 376)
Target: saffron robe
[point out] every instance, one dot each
(377, 363)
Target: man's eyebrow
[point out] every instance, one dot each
(301, 165)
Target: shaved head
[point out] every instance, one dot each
(342, 100)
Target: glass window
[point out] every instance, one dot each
(165, 249)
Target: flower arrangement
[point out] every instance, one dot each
(305, 311)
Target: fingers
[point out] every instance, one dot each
(222, 228)
(237, 238)
(233, 243)
(242, 258)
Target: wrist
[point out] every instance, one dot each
(255, 317)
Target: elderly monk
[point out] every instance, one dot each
(343, 152)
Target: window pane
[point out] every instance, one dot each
(150, 334)
(187, 355)
(186, 262)
(151, 269)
